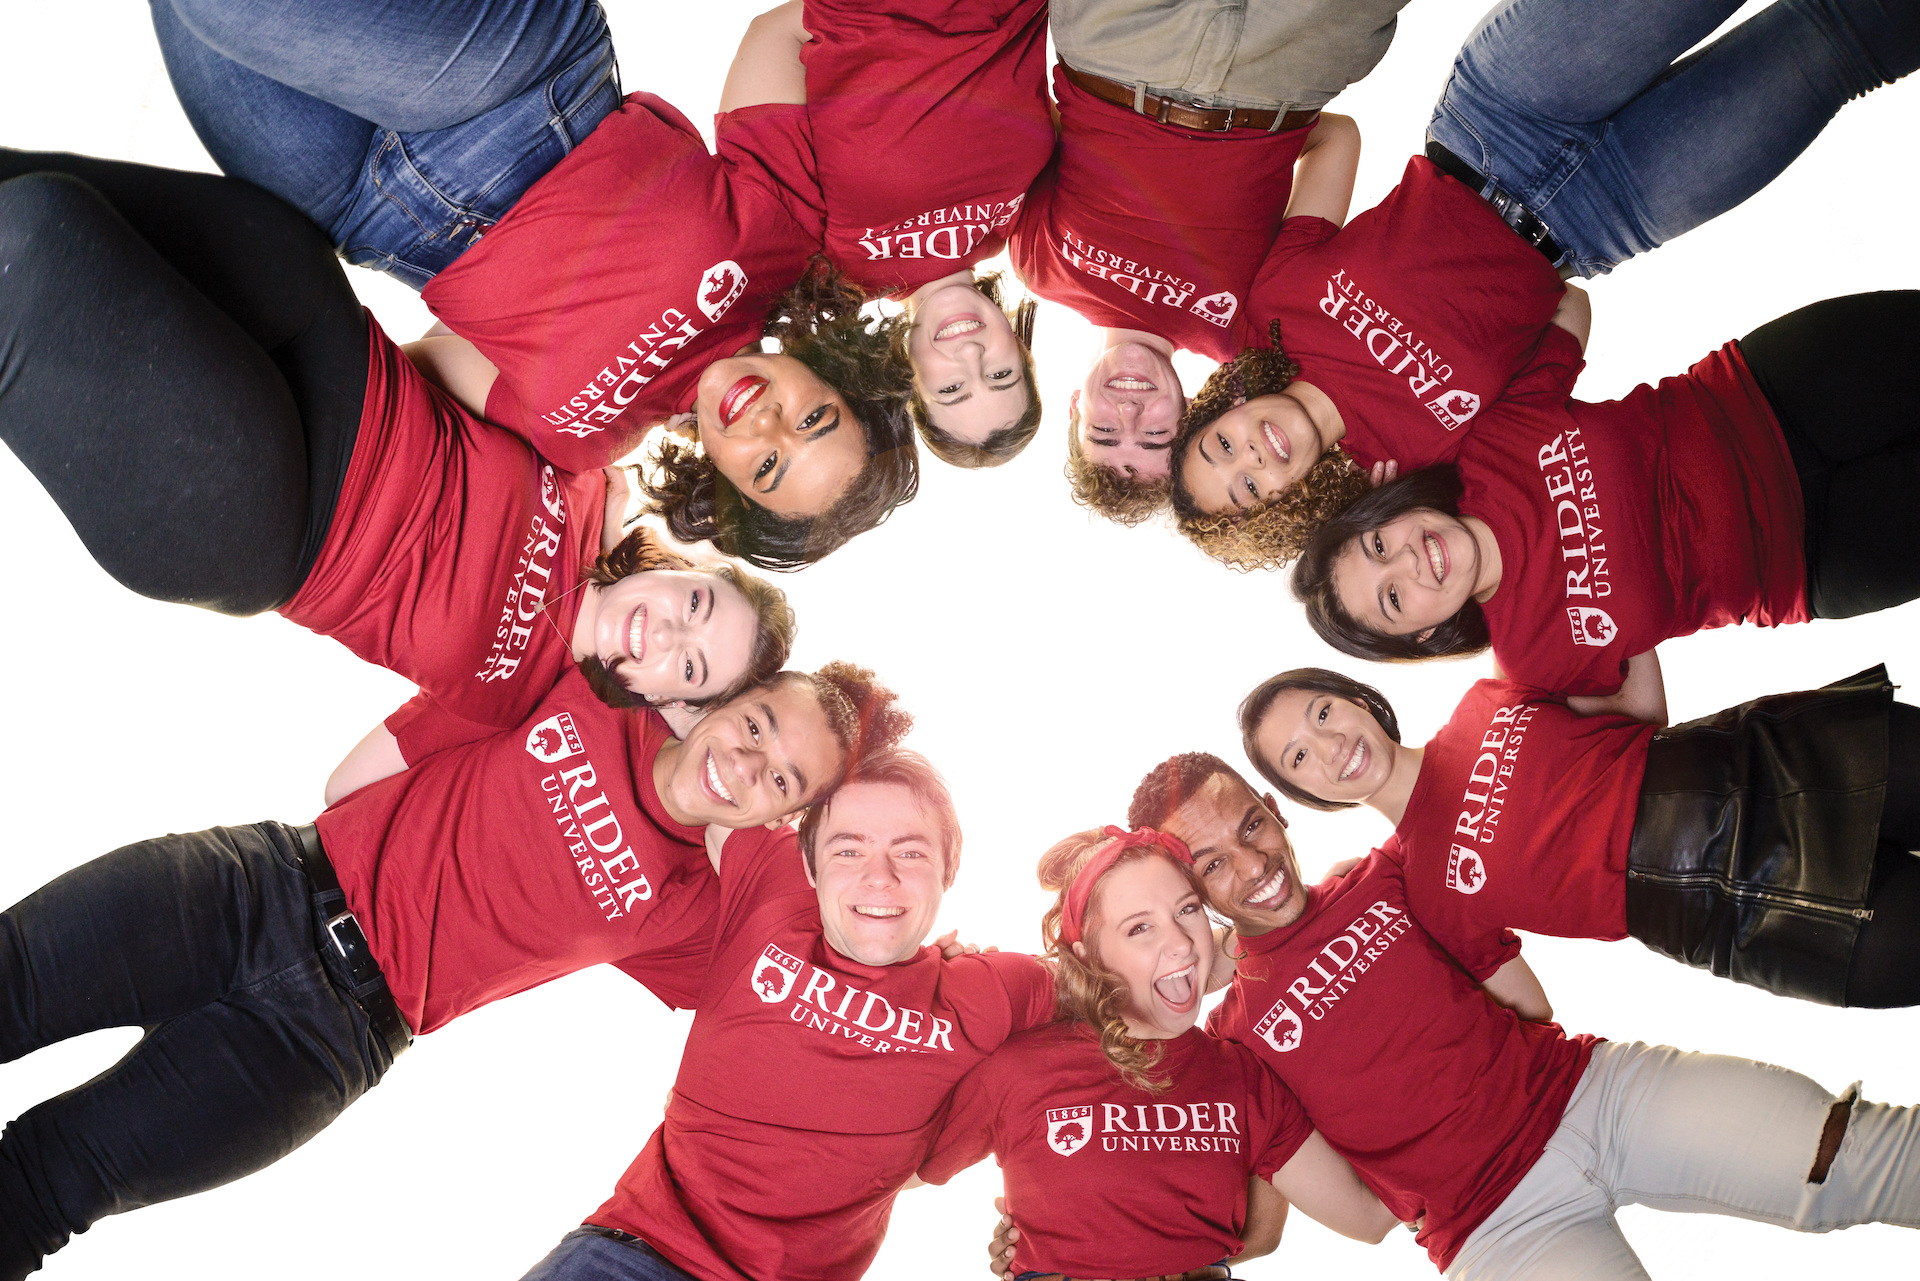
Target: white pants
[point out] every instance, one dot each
(1695, 1134)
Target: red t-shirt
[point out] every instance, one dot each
(1413, 317)
(635, 262)
(811, 1085)
(1521, 817)
(929, 123)
(455, 551)
(1137, 225)
(1441, 1099)
(1626, 523)
(1106, 1180)
(499, 865)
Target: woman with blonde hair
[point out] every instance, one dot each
(1132, 1142)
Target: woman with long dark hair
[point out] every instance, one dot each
(1093, 1188)
(1771, 843)
(194, 383)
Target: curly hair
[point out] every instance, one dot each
(1429, 489)
(1171, 783)
(1084, 990)
(1119, 496)
(903, 768)
(1314, 680)
(774, 624)
(861, 712)
(1007, 443)
(819, 323)
(1267, 535)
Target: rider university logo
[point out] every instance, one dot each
(554, 739)
(1465, 871)
(1454, 407)
(773, 975)
(1216, 309)
(1068, 1129)
(1591, 626)
(1280, 1028)
(720, 285)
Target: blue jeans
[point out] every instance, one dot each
(405, 130)
(588, 1254)
(1580, 111)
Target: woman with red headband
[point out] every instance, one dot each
(1132, 1142)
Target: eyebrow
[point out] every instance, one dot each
(793, 768)
(787, 462)
(957, 400)
(1200, 443)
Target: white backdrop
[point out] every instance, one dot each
(1050, 658)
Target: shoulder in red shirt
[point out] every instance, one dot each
(1441, 1099)
(498, 865)
(1521, 818)
(811, 1085)
(1107, 1180)
(618, 276)
(1413, 317)
(930, 121)
(455, 551)
(1137, 225)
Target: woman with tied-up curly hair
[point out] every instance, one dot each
(1771, 483)
(1132, 1142)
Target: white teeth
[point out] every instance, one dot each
(1267, 889)
(1127, 382)
(1355, 762)
(881, 911)
(713, 781)
(637, 635)
(1176, 988)
(1278, 446)
(1437, 558)
(955, 328)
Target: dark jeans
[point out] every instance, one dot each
(1886, 960)
(405, 130)
(1581, 111)
(253, 1044)
(598, 1254)
(183, 367)
(1836, 373)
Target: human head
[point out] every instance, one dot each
(1226, 426)
(976, 402)
(765, 649)
(1123, 416)
(1132, 962)
(1432, 490)
(1241, 854)
(831, 357)
(880, 852)
(1295, 705)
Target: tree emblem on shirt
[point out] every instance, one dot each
(1465, 871)
(1592, 626)
(1280, 1028)
(1453, 408)
(720, 285)
(773, 974)
(1216, 309)
(1068, 1129)
(554, 739)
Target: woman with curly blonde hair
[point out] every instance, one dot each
(1084, 1114)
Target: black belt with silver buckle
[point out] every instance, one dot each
(350, 941)
(1527, 224)
(1188, 115)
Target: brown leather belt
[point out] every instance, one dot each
(1187, 115)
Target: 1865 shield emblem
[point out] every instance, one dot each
(773, 975)
(1280, 1028)
(1068, 1129)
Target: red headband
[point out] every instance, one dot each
(1073, 911)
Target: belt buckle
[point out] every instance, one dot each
(333, 932)
(1201, 104)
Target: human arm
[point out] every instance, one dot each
(1224, 961)
(1324, 1186)
(767, 66)
(1323, 176)
(455, 366)
(1642, 694)
(1266, 1219)
(1515, 986)
(373, 758)
(1575, 315)
(1000, 1248)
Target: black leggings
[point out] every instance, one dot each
(1837, 375)
(1886, 960)
(182, 366)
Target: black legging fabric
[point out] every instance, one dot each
(1886, 960)
(182, 366)
(1837, 373)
